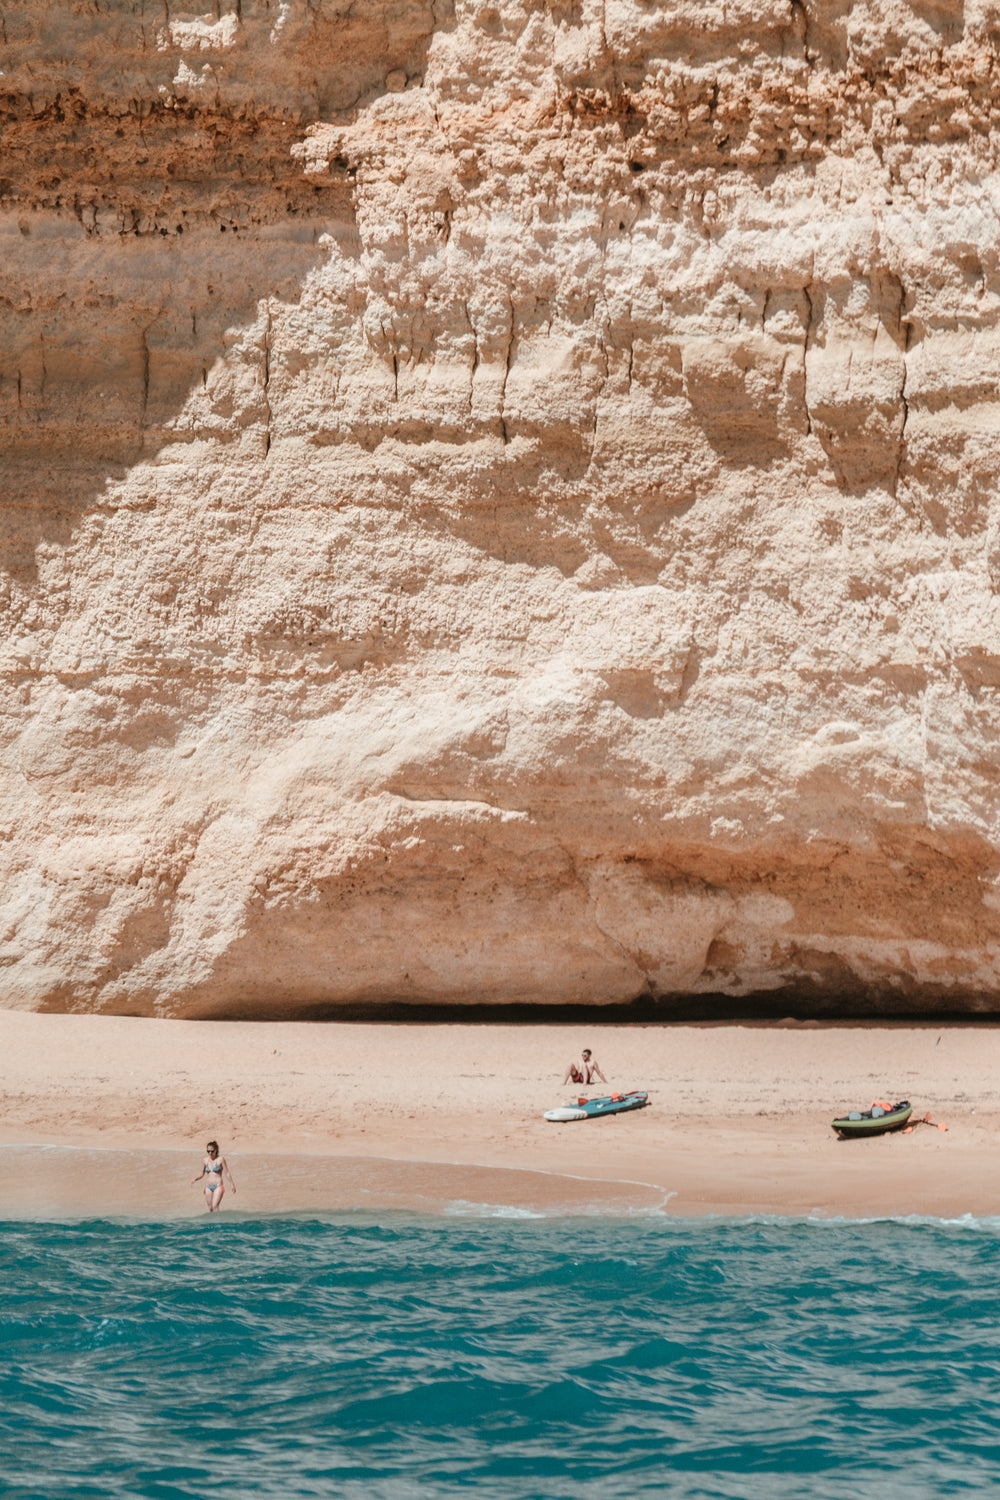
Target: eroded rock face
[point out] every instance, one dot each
(499, 503)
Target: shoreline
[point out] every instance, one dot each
(57, 1182)
(739, 1123)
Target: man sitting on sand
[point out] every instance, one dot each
(584, 1071)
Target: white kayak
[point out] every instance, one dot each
(589, 1109)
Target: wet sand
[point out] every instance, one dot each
(436, 1118)
(42, 1182)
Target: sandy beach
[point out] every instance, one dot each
(434, 1117)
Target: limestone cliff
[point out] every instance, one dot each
(499, 502)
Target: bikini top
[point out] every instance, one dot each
(215, 1166)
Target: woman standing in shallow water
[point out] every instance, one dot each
(213, 1167)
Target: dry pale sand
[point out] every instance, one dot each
(328, 1116)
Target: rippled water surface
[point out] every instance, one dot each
(548, 1358)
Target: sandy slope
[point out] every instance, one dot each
(739, 1118)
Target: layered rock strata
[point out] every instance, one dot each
(499, 503)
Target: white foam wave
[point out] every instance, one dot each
(460, 1208)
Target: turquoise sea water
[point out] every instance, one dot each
(404, 1356)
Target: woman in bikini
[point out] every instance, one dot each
(213, 1167)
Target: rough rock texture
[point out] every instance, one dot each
(499, 502)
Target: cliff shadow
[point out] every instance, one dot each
(149, 211)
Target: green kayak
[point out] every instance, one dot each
(874, 1121)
